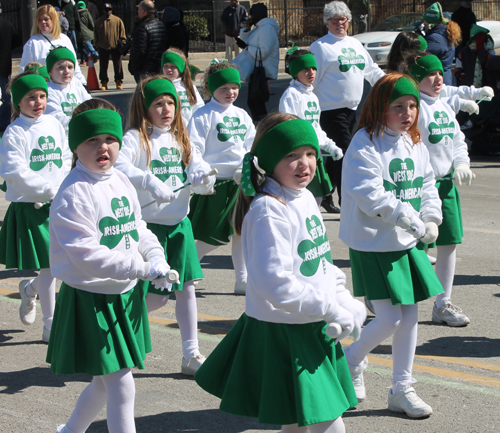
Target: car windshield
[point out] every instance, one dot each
(398, 23)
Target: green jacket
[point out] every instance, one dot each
(359, 7)
(87, 26)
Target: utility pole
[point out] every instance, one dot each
(28, 11)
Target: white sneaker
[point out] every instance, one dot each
(27, 310)
(240, 288)
(190, 366)
(449, 314)
(407, 401)
(45, 335)
(60, 428)
(431, 259)
(357, 376)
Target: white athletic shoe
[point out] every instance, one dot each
(407, 401)
(27, 310)
(449, 314)
(45, 335)
(240, 288)
(60, 428)
(431, 259)
(357, 376)
(190, 366)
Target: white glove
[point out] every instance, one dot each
(159, 268)
(48, 194)
(161, 283)
(162, 193)
(487, 93)
(356, 308)
(237, 176)
(201, 183)
(414, 226)
(332, 149)
(470, 107)
(463, 175)
(345, 319)
(431, 233)
(196, 179)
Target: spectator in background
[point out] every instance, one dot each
(233, 19)
(9, 39)
(177, 34)
(86, 33)
(360, 10)
(63, 21)
(464, 17)
(148, 42)
(71, 14)
(92, 8)
(109, 29)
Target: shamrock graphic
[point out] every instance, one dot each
(48, 154)
(312, 113)
(442, 128)
(315, 251)
(183, 98)
(350, 59)
(231, 128)
(170, 166)
(69, 106)
(405, 186)
(113, 230)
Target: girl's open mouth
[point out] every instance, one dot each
(102, 158)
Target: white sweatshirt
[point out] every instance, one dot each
(441, 134)
(382, 181)
(464, 92)
(37, 48)
(300, 100)
(291, 278)
(63, 98)
(343, 65)
(34, 158)
(187, 110)
(98, 240)
(223, 134)
(166, 165)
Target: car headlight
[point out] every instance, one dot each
(378, 44)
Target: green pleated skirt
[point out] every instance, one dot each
(320, 186)
(279, 373)
(24, 237)
(98, 334)
(405, 277)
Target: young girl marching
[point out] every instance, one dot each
(300, 100)
(160, 161)
(99, 247)
(223, 134)
(277, 363)
(65, 93)
(34, 160)
(389, 203)
(176, 68)
(450, 161)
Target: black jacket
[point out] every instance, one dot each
(148, 45)
(70, 12)
(233, 19)
(177, 35)
(9, 39)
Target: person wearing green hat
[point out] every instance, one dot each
(34, 160)
(465, 18)
(405, 43)
(85, 35)
(389, 205)
(100, 249)
(65, 93)
(278, 364)
(450, 161)
(442, 36)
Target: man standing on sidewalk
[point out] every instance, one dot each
(233, 18)
(109, 29)
(360, 10)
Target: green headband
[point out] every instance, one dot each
(40, 70)
(424, 66)
(423, 43)
(405, 86)
(59, 54)
(155, 88)
(300, 63)
(221, 77)
(434, 14)
(274, 145)
(90, 123)
(175, 59)
(25, 84)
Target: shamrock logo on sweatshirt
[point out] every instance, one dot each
(350, 59)
(231, 128)
(312, 113)
(169, 166)
(68, 107)
(48, 153)
(123, 225)
(183, 98)
(405, 186)
(316, 251)
(442, 128)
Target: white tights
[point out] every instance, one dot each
(186, 313)
(44, 285)
(335, 426)
(445, 271)
(117, 392)
(401, 321)
(240, 270)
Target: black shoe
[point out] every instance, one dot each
(329, 206)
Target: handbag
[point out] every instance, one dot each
(245, 64)
(258, 88)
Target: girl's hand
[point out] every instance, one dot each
(413, 226)
(486, 93)
(162, 193)
(159, 268)
(356, 308)
(237, 176)
(202, 182)
(333, 150)
(463, 175)
(431, 233)
(470, 107)
(345, 319)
